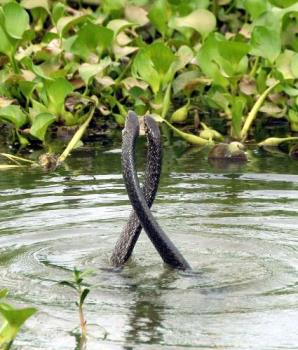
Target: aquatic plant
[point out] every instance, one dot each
(82, 290)
(232, 65)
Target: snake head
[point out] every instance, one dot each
(131, 124)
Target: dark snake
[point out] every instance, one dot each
(142, 201)
(130, 234)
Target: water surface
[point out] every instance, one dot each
(237, 227)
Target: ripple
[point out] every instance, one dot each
(237, 230)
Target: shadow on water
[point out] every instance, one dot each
(237, 227)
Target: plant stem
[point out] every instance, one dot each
(76, 137)
(253, 113)
(166, 102)
(254, 67)
(215, 7)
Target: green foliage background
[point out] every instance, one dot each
(198, 65)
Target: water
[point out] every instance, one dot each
(237, 228)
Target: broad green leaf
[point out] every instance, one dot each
(266, 43)
(201, 20)
(58, 11)
(184, 55)
(286, 64)
(232, 51)
(90, 37)
(16, 20)
(6, 46)
(283, 3)
(209, 60)
(161, 56)
(143, 68)
(31, 4)
(294, 65)
(13, 114)
(37, 70)
(159, 15)
(110, 6)
(16, 317)
(87, 71)
(64, 24)
(40, 125)
(256, 7)
(56, 93)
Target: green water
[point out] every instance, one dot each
(237, 227)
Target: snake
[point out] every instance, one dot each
(131, 232)
(141, 200)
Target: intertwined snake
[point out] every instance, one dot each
(142, 200)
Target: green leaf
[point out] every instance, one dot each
(90, 37)
(16, 20)
(266, 43)
(161, 56)
(37, 70)
(256, 7)
(159, 15)
(14, 115)
(31, 4)
(87, 71)
(68, 284)
(56, 93)
(64, 24)
(3, 293)
(143, 68)
(287, 64)
(40, 125)
(58, 12)
(233, 51)
(16, 317)
(283, 3)
(110, 6)
(6, 46)
(209, 60)
(201, 20)
(84, 295)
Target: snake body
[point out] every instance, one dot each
(165, 247)
(130, 234)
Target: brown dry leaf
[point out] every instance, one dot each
(4, 102)
(122, 39)
(246, 31)
(105, 81)
(247, 86)
(28, 75)
(273, 110)
(131, 82)
(123, 51)
(136, 15)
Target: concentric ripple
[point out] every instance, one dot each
(238, 229)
